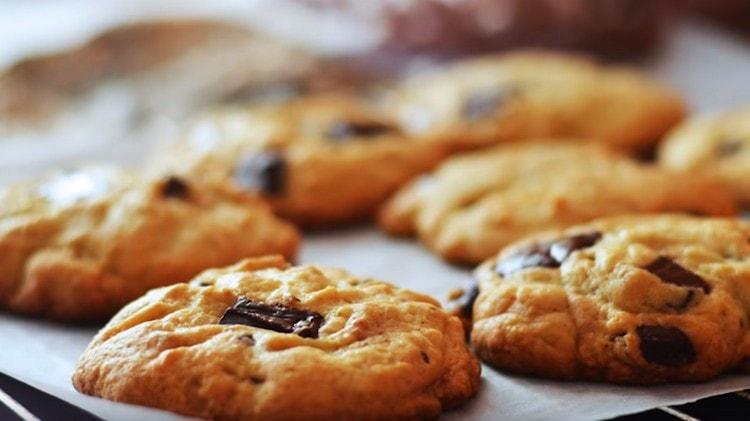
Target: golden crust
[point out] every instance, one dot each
(326, 180)
(603, 315)
(473, 205)
(718, 144)
(382, 352)
(80, 245)
(538, 94)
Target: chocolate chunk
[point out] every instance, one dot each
(274, 317)
(483, 104)
(425, 357)
(263, 172)
(665, 345)
(549, 255)
(535, 255)
(561, 249)
(466, 305)
(672, 273)
(728, 147)
(341, 130)
(174, 188)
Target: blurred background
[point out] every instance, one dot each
(104, 79)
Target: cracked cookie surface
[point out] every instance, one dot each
(718, 144)
(639, 299)
(494, 99)
(473, 205)
(79, 245)
(319, 161)
(265, 340)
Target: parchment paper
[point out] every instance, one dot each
(711, 68)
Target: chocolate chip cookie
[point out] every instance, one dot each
(493, 99)
(638, 299)
(319, 160)
(718, 144)
(475, 204)
(262, 340)
(81, 244)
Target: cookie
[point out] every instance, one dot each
(718, 144)
(264, 340)
(475, 204)
(319, 161)
(638, 299)
(81, 244)
(499, 98)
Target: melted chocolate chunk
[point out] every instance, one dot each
(535, 255)
(174, 188)
(548, 255)
(466, 304)
(341, 130)
(561, 249)
(257, 379)
(483, 104)
(274, 317)
(665, 345)
(263, 172)
(672, 273)
(425, 357)
(728, 147)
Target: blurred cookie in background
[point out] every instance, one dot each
(132, 80)
(320, 160)
(78, 245)
(474, 204)
(718, 144)
(506, 97)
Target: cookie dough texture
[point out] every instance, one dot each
(499, 98)
(644, 299)
(380, 353)
(81, 244)
(474, 204)
(718, 144)
(320, 160)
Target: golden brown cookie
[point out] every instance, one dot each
(263, 340)
(718, 144)
(642, 299)
(473, 205)
(499, 98)
(79, 245)
(319, 160)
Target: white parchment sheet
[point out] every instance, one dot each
(710, 68)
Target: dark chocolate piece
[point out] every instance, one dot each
(263, 172)
(174, 188)
(548, 255)
(274, 317)
(665, 345)
(561, 249)
(341, 130)
(466, 303)
(672, 273)
(535, 255)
